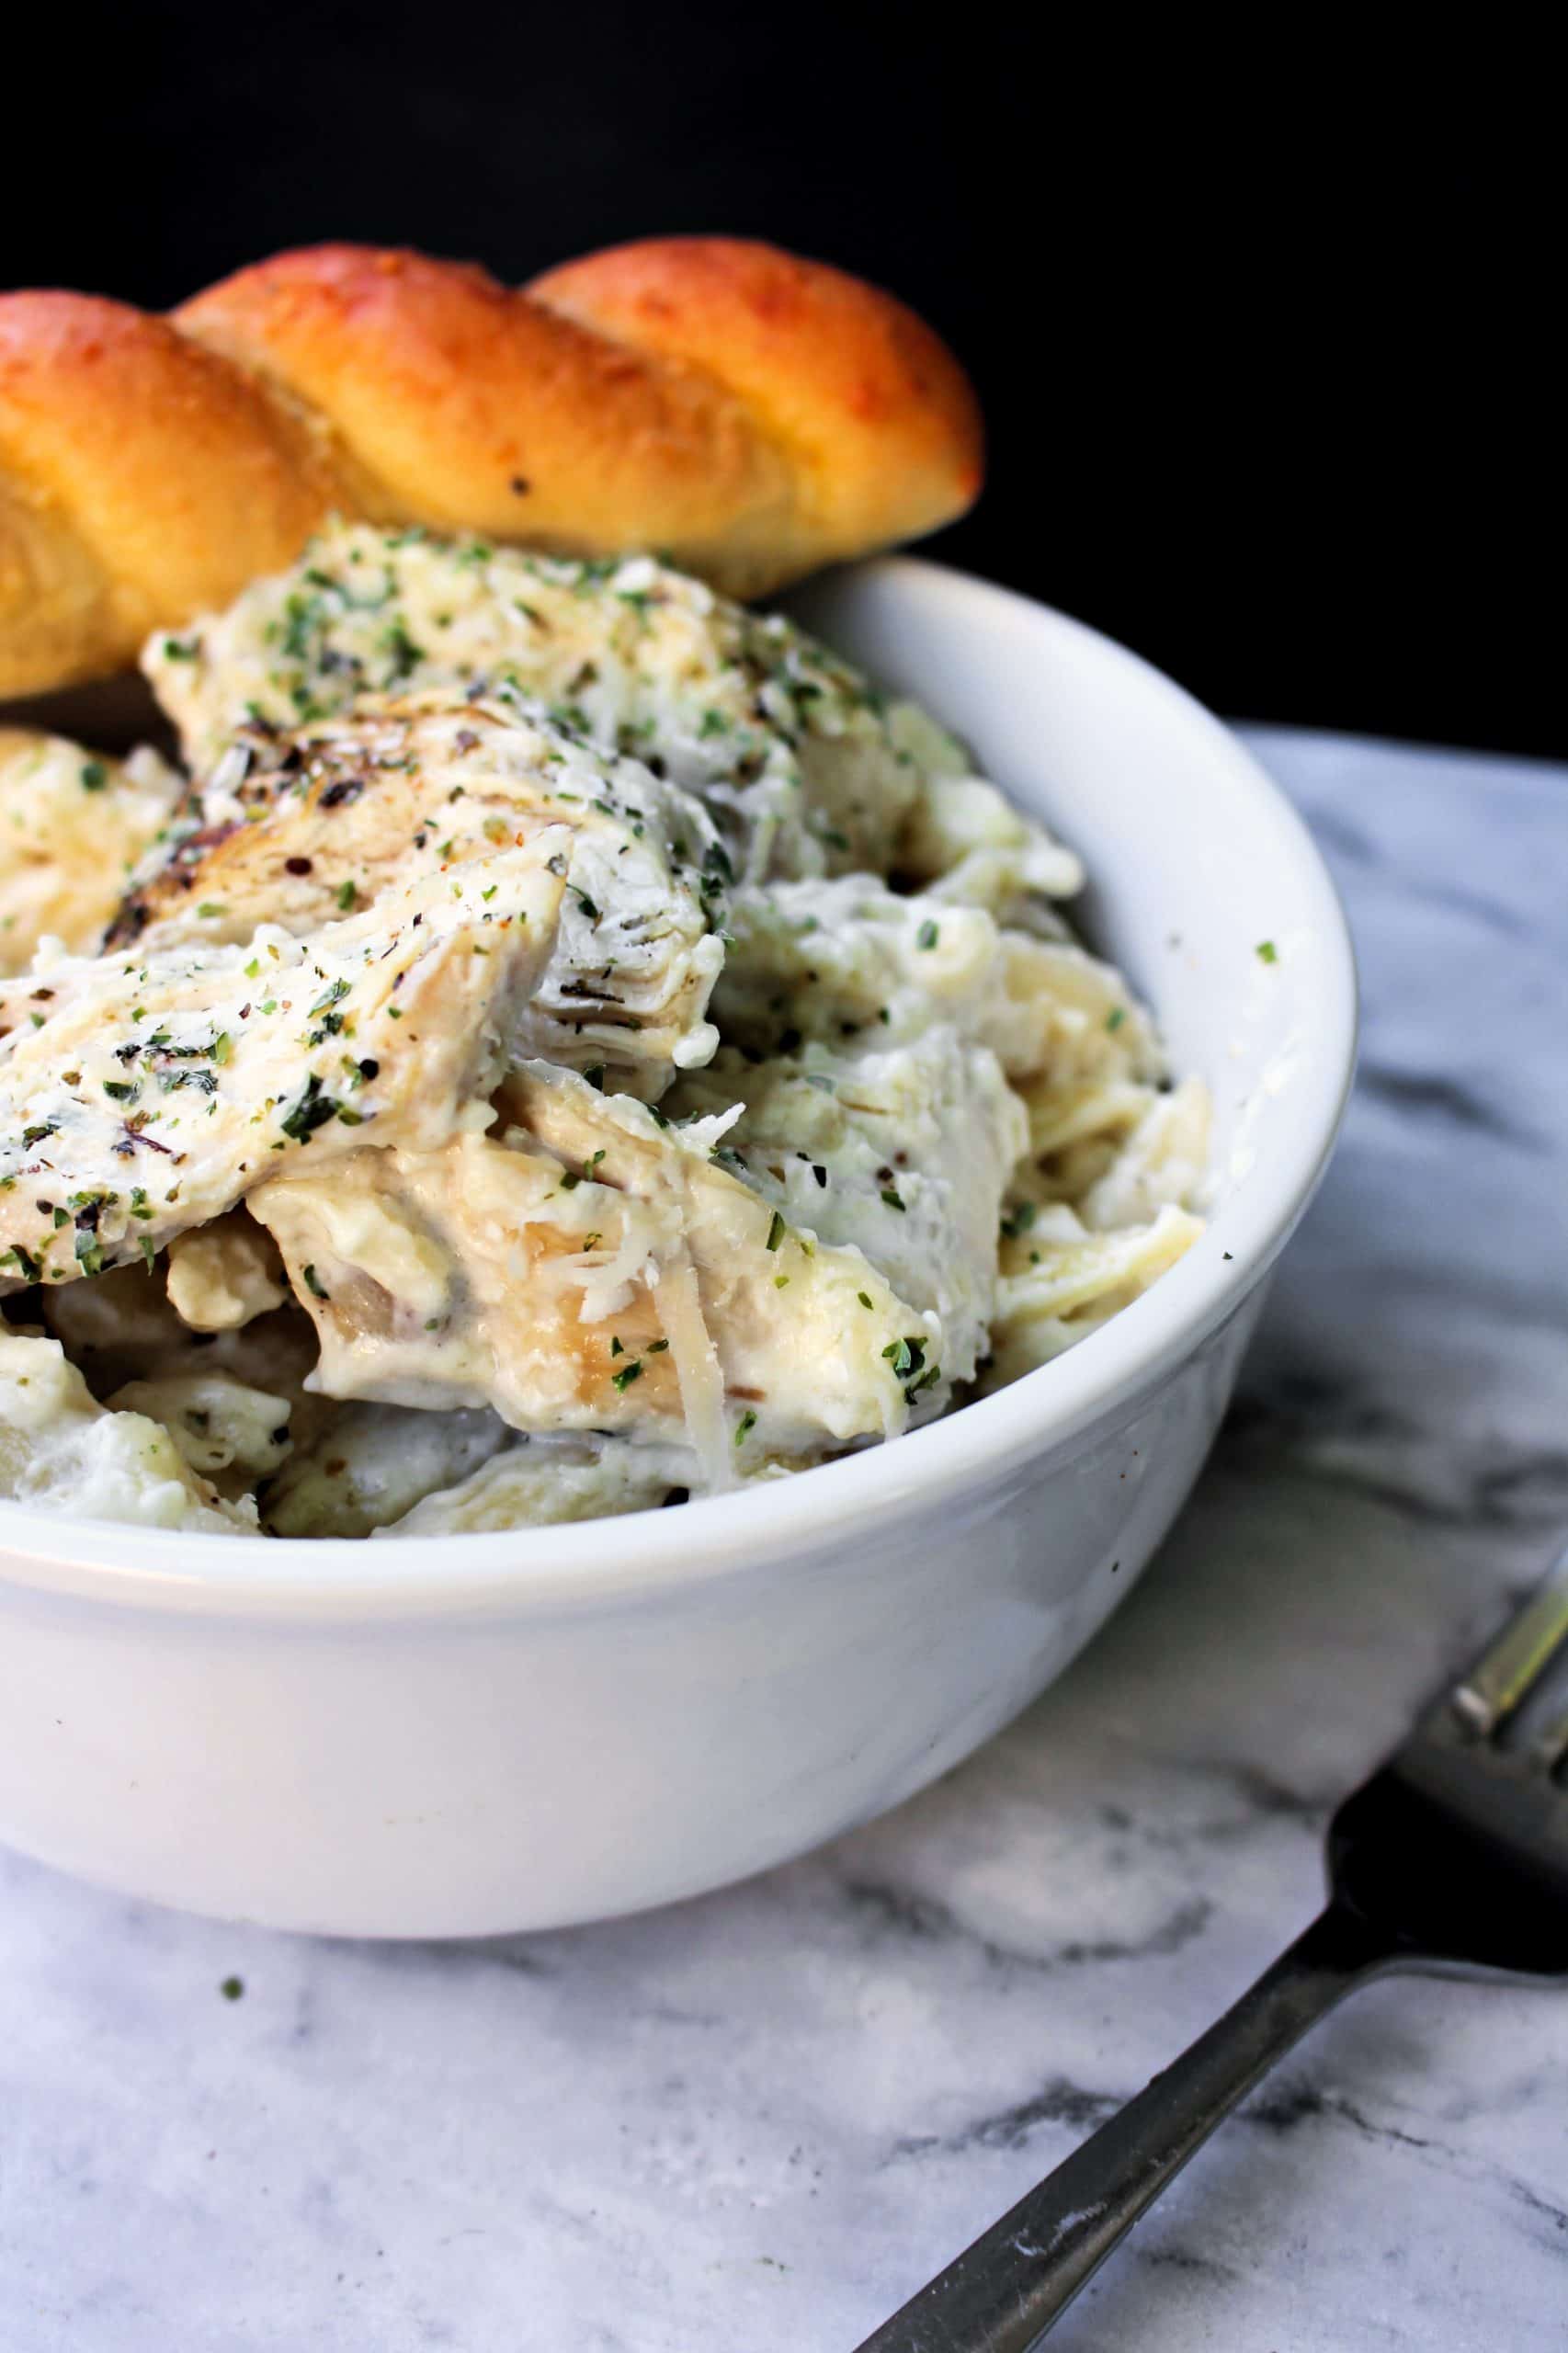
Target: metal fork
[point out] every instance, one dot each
(1452, 1859)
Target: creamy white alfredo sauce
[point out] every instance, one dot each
(573, 1045)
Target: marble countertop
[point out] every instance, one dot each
(753, 2123)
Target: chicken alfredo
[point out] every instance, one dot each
(569, 1046)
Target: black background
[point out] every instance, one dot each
(1266, 337)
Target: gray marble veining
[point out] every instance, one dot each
(756, 2121)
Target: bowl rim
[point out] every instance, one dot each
(571, 1566)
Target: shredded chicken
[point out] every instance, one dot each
(544, 1274)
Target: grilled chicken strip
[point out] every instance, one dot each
(808, 770)
(594, 1269)
(142, 1094)
(293, 829)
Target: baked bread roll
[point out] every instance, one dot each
(748, 414)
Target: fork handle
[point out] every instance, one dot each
(1006, 2291)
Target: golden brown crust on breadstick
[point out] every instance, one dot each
(140, 479)
(750, 414)
(877, 419)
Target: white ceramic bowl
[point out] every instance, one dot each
(443, 1737)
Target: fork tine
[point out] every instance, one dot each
(1502, 1676)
